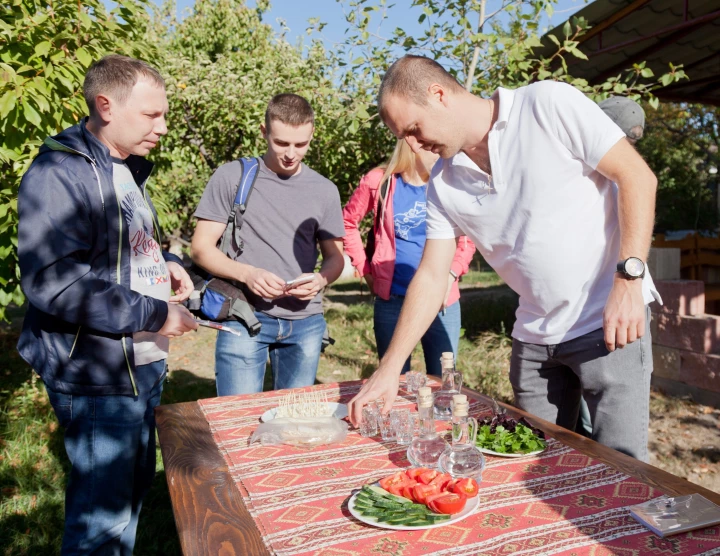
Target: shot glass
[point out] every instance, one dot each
(404, 427)
(414, 380)
(369, 425)
(385, 423)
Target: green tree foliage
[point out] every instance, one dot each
(223, 64)
(681, 144)
(488, 43)
(45, 49)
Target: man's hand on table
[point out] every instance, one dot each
(383, 384)
(624, 314)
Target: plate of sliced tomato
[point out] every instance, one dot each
(454, 499)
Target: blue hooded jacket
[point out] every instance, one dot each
(74, 254)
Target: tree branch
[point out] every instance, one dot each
(476, 52)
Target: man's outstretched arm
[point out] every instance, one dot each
(422, 303)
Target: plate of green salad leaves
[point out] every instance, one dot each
(501, 435)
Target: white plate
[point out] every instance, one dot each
(470, 506)
(335, 409)
(498, 454)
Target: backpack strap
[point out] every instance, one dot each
(248, 175)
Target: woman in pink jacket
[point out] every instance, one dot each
(396, 194)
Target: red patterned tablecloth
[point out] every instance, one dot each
(559, 502)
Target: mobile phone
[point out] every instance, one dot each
(298, 281)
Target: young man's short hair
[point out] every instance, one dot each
(289, 109)
(410, 77)
(115, 75)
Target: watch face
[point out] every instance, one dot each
(634, 267)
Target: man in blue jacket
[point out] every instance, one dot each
(100, 311)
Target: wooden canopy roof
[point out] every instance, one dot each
(659, 32)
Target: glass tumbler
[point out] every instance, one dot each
(369, 425)
(385, 423)
(404, 425)
(414, 380)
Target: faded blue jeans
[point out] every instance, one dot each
(293, 347)
(110, 441)
(443, 334)
(548, 381)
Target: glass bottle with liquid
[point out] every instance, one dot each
(426, 448)
(462, 458)
(451, 385)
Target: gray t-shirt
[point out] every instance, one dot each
(148, 272)
(284, 220)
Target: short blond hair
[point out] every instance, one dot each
(115, 75)
(410, 77)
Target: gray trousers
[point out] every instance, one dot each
(548, 381)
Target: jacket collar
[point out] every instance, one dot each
(78, 140)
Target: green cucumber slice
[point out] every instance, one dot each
(377, 491)
(401, 520)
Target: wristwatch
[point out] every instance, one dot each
(631, 268)
(455, 276)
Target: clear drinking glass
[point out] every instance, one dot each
(404, 427)
(414, 380)
(369, 425)
(387, 432)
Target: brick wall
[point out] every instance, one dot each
(686, 341)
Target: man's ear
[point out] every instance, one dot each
(263, 130)
(438, 93)
(103, 107)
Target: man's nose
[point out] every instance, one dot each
(161, 127)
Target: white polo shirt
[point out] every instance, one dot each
(546, 221)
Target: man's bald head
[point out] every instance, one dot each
(410, 77)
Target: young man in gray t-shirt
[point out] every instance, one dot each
(291, 211)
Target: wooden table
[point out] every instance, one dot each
(211, 517)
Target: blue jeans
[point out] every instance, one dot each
(110, 441)
(443, 334)
(293, 346)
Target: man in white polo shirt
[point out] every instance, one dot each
(528, 176)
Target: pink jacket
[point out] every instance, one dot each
(365, 199)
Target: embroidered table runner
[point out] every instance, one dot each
(558, 502)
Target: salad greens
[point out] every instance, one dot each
(506, 435)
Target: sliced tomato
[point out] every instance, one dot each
(427, 477)
(398, 478)
(466, 486)
(442, 480)
(397, 490)
(448, 503)
(408, 491)
(415, 472)
(449, 486)
(421, 492)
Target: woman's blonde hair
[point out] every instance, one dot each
(403, 160)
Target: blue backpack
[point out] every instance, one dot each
(221, 299)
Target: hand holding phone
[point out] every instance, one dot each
(305, 287)
(297, 281)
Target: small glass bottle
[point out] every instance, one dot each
(462, 459)
(428, 446)
(451, 385)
